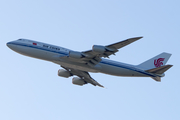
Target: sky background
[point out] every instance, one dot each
(30, 88)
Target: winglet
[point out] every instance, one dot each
(95, 83)
(100, 85)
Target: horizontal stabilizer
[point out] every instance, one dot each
(159, 70)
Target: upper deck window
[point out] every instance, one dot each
(21, 39)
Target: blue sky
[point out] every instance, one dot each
(30, 88)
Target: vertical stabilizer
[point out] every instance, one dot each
(155, 62)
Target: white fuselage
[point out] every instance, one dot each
(59, 55)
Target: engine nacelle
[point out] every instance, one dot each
(78, 81)
(99, 48)
(102, 49)
(76, 55)
(63, 73)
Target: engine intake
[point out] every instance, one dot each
(63, 73)
(76, 55)
(102, 49)
(98, 48)
(78, 81)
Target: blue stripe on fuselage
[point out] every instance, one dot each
(38, 47)
(128, 67)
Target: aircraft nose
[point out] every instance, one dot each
(9, 44)
(13, 45)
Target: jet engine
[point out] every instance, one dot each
(98, 48)
(76, 55)
(102, 49)
(78, 81)
(63, 73)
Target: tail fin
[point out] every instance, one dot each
(155, 62)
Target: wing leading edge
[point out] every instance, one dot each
(112, 48)
(92, 57)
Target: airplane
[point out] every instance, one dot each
(94, 60)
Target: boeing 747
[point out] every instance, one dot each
(80, 63)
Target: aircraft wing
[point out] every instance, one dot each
(83, 75)
(92, 57)
(109, 49)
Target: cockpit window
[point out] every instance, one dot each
(21, 39)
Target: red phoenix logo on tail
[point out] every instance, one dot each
(158, 62)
